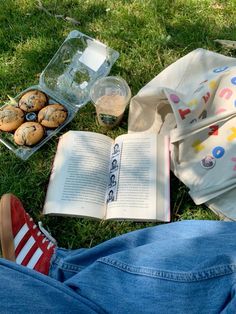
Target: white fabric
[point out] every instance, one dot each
(193, 100)
(20, 235)
(25, 250)
(35, 258)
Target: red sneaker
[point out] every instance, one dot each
(21, 239)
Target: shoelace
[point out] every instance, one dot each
(47, 235)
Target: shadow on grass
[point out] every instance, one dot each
(30, 38)
(147, 43)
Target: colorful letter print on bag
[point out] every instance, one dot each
(205, 138)
(215, 95)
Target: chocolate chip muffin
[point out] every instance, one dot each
(33, 100)
(52, 116)
(29, 133)
(10, 118)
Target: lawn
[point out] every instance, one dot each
(149, 36)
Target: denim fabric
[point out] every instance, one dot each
(183, 267)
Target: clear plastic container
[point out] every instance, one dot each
(67, 80)
(110, 96)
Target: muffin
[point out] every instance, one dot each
(29, 133)
(52, 116)
(10, 118)
(33, 100)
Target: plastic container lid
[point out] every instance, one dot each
(75, 67)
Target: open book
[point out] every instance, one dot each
(96, 176)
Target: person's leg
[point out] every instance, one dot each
(23, 290)
(184, 267)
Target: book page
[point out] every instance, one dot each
(79, 176)
(136, 196)
(163, 178)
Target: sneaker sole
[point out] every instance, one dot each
(6, 234)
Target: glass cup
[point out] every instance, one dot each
(110, 96)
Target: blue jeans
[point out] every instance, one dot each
(183, 267)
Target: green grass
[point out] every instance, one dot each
(149, 35)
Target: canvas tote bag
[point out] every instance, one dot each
(194, 102)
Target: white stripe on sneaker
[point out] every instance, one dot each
(34, 259)
(25, 250)
(20, 235)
